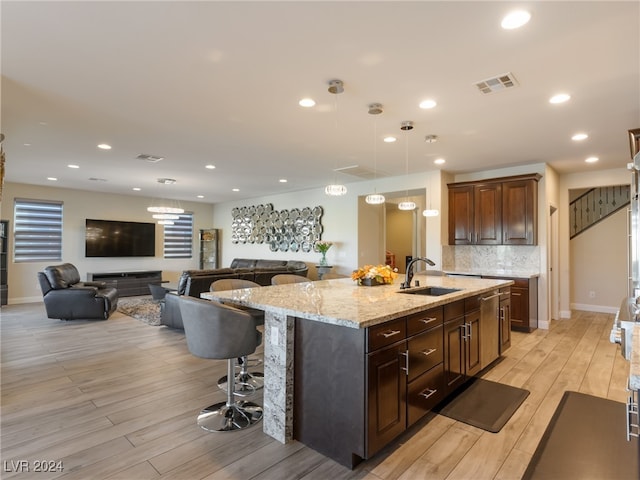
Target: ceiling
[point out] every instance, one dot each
(219, 83)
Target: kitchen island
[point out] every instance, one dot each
(338, 350)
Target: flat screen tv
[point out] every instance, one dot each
(109, 238)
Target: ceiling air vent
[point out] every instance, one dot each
(167, 181)
(497, 84)
(361, 172)
(149, 158)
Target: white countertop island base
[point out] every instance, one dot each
(339, 304)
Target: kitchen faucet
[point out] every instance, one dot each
(409, 274)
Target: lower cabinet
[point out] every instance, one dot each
(524, 303)
(356, 390)
(505, 319)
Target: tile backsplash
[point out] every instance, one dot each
(490, 257)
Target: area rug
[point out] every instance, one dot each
(586, 439)
(484, 404)
(140, 308)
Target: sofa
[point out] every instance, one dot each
(67, 298)
(193, 282)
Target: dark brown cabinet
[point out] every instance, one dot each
(500, 211)
(523, 304)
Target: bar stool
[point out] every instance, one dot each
(246, 382)
(286, 278)
(218, 331)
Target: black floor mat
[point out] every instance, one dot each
(586, 440)
(484, 404)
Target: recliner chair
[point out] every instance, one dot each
(67, 298)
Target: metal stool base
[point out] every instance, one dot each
(222, 417)
(246, 384)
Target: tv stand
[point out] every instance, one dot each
(129, 283)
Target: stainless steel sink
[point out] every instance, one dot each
(430, 291)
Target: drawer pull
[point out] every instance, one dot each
(428, 392)
(390, 333)
(426, 353)
(406, 362)
(428, 319)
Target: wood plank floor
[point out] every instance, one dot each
(117, 399)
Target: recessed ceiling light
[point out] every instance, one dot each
(136, 189)
(104, 146)
(389, 139)
(73, 166)
(52, 179)
(426, 104)
(283, 180)
(199, 196)
(515, 19)
(210, 167)
(560, 98)
(307, 102)
(26, 144)
(235, 189)
(439, 161)
(579, 136)
(591, 159)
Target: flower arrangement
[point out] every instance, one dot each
(377, 273)
(323, 246)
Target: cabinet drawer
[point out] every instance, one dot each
(424, 393)
(386, 334)
(425, 352)
(472, 303)
(453, 310)
(424, 320)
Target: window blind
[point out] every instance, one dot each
(178, 238)
(37, 231)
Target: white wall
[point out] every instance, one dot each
(599, 264)
(583, 180)
(78, 206)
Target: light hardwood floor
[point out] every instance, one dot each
(117, 399)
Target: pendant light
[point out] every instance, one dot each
(407, 204)
(335, 189)
(430, 212)
(375, 198)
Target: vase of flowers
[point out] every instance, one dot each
(323, 247)
(371, 275)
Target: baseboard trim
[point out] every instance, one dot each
(594, 308)
(565, 313)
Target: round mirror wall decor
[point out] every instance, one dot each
(291, 230)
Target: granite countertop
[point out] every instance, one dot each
(634, 370)
(343, 302)
(497, 272)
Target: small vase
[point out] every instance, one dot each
(323, 260)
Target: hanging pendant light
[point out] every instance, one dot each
(407, 204)
(375, 198)
(335, 189)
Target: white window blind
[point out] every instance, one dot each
(178, 238)
(37, 231)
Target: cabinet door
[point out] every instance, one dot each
(519, 307)
(488, 214)
(461, 215)
(387, 392)
(519, 207)
(454, 357)
(472, 342)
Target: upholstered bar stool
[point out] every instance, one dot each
(246, 382)
(286, 278)
(218, 331)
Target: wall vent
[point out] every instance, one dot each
(497, 83)
(149, 158)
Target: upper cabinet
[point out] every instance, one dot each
(499, 211)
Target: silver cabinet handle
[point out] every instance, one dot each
(428, 319)
(390, 333)
(484, 299)
(406, 362)
(428, 392)
(426, 353)
(469, 332)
